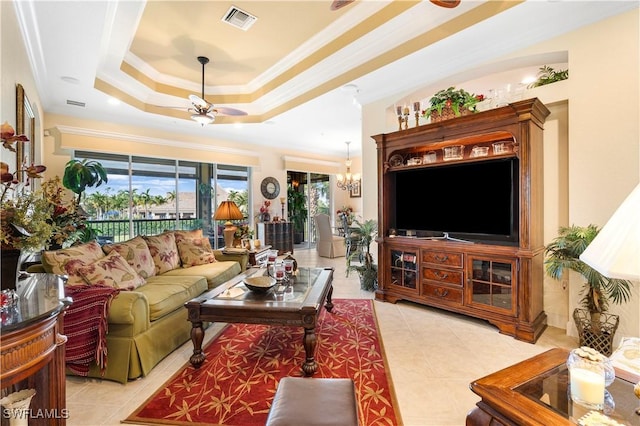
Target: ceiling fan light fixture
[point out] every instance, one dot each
(203, 118)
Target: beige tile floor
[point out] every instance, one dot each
(433, 356)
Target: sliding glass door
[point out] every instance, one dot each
(307, 195)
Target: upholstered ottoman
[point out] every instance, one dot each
(305, 401)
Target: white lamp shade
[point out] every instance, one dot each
(615, 251)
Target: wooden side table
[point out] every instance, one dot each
(32, 347)
(535, 392)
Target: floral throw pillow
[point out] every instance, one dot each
(163, 251)
(136, 252)
(113, 270)
(67, 261)
(187, 235)
(195, 251)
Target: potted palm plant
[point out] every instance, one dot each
(365, 232)
(78, 176)
(595, 326)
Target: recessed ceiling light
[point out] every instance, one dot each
(70, 80)
(113, 101)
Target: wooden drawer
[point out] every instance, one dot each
(450, 276)
(442, 292)
(451, 259)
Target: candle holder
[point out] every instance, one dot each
(403, 117)
(416, 112)
(282, 207)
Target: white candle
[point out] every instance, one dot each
(587, 386)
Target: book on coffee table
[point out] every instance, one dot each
(626, 359)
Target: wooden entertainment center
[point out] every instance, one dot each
(499, 280)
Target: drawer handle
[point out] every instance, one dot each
(441, 258)
(441, 292)
(441, 275)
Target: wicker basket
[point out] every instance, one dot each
(602, 338)
(447, 113)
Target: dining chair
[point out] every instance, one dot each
(328, 244)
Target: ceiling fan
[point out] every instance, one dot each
(204, 112)
(337, 4)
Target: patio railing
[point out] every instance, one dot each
(122, 230)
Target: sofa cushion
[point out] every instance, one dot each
(112, 270)
(163, 251)
(137, 254)
(195, 251)
(168, 293)
(216, 273)
(67, 261)
(186, 235)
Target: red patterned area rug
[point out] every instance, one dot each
(237, 382)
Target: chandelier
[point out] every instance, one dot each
(348, 181)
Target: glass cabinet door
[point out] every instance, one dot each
(404, 268)
(492, 283)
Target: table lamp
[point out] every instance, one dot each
(228, 210)
(615, 251)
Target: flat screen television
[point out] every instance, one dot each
(468, 201)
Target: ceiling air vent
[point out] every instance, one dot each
(239, 18)
(76, 103)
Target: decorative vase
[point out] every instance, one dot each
(11, 260)
(16, 406)
(266, 217)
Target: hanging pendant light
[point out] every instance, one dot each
(348, 181)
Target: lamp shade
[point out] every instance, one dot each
(228, 210)
(615, 251)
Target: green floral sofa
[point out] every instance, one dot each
(156, 276)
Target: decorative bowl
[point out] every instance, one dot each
(260, 284)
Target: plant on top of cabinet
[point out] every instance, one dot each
(548, 75)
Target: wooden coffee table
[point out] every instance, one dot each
(312, 287)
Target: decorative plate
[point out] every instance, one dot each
(270, 188)
(259, 284)
(396, 160)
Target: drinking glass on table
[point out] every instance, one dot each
(278, 270)
(288, 267)
(272, 256)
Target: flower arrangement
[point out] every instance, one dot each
(243, 232)
(24, 217)
(264, 208)
(346, 212)
(458, 101)
(67, 218)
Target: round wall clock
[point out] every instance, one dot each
(270, 188)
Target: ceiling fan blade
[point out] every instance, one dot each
(198, 101)
(337, 4)
(228, 111)
(446, 3)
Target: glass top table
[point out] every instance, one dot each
(536, 392)
(551, 390)
(296, 304)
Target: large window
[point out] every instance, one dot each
(145, 196)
